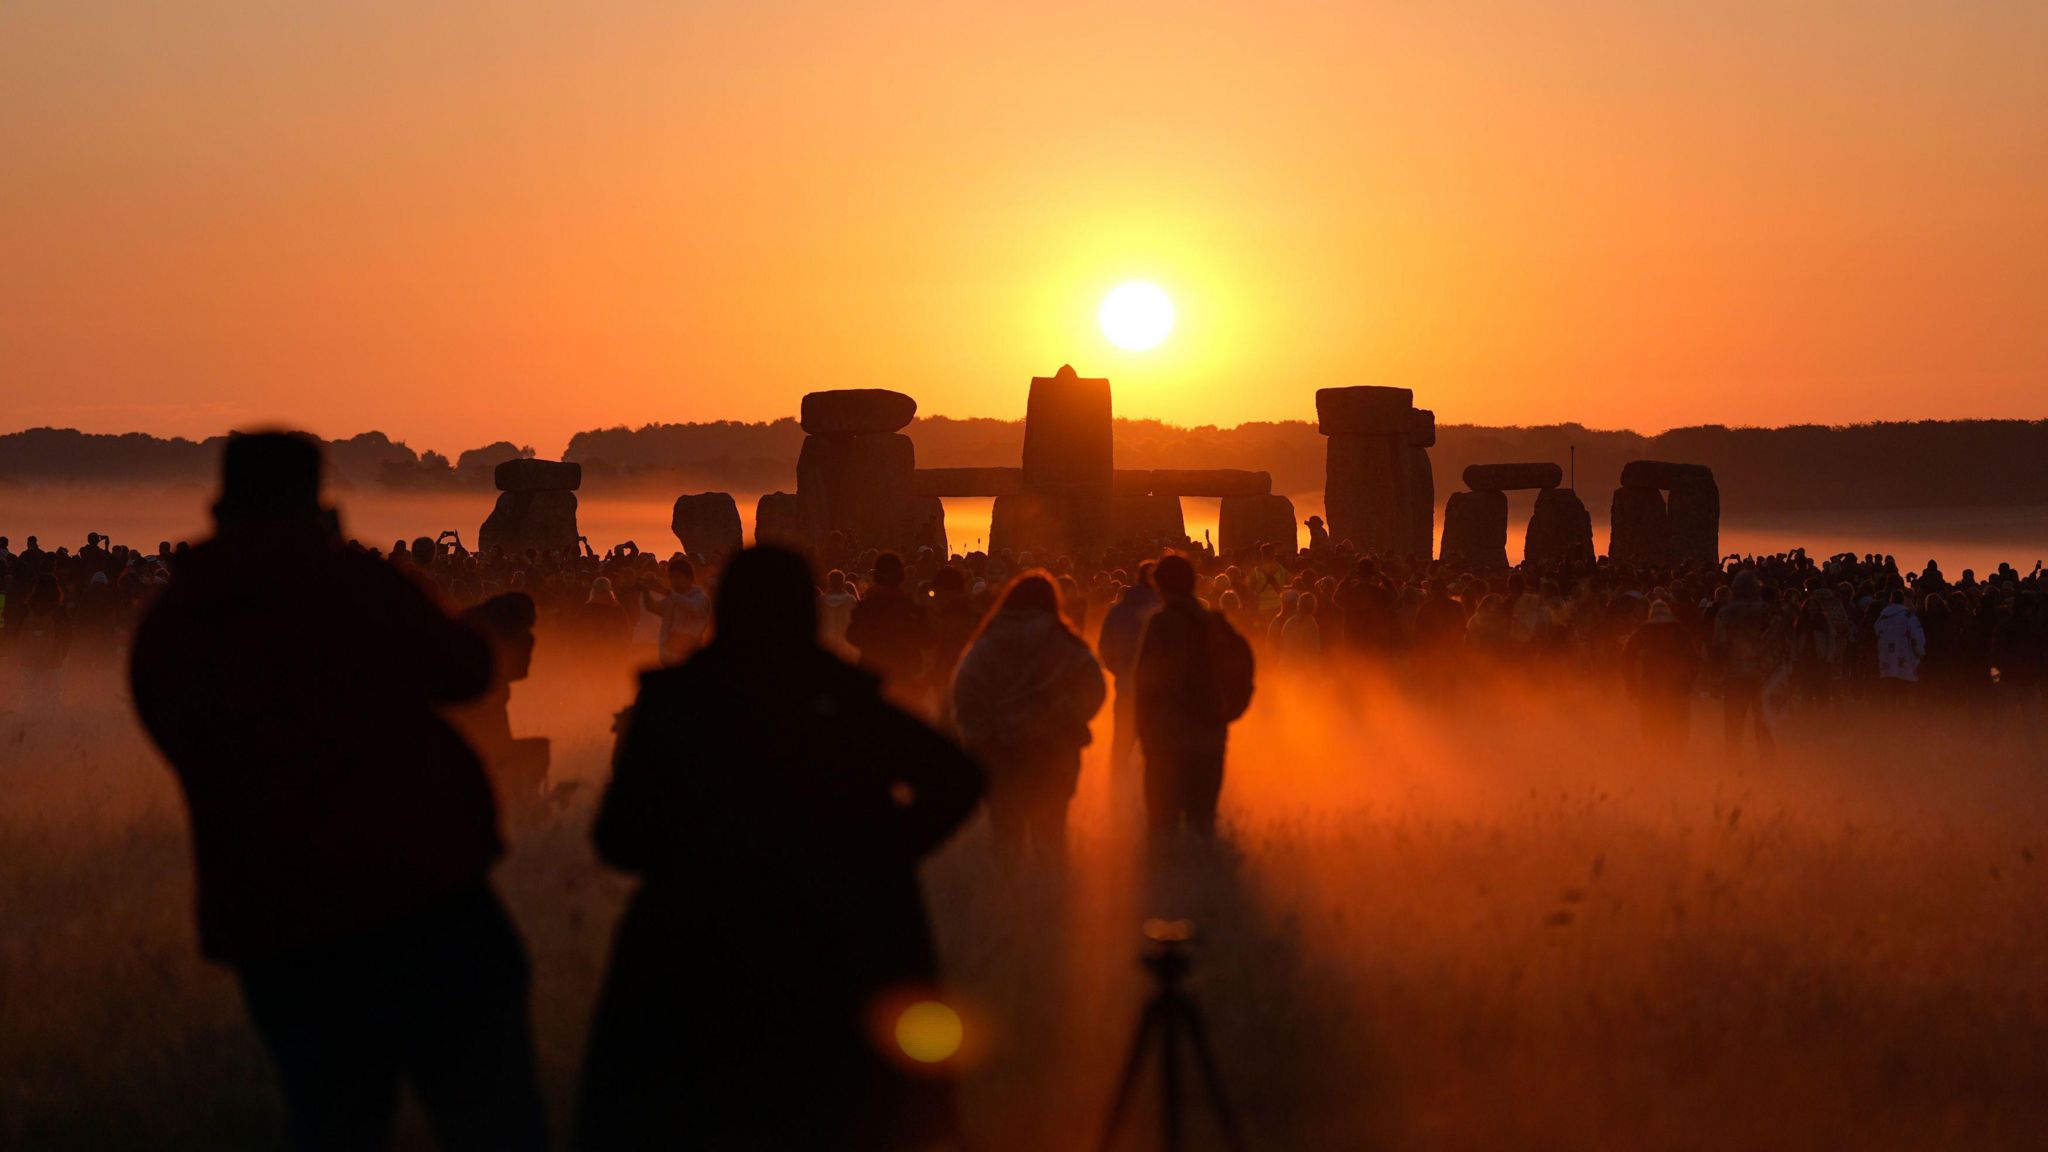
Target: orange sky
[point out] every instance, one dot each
(517, 220)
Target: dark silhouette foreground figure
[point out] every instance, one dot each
(1023, 696)
(776, 808)
(1194, 677)
(518, 766)
(342, 830)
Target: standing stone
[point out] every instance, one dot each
(1695, 512)
(967, 481)
(1245, 522)
(781, 519)
(1365, 411)
(1212, 482)
(1660, 473)
(1560, 530)
(529, 475)
(853, 411)
(1510, 477)
(1476, 531)
(1366, 485)
(861, 484)
(1638, 530)
(1027, 522)
(1068, 436)
(1147, 520)
(1422, 428)
(543, 521)
(1421, 499)
(929, 514)
(707, 524)
(1069, 464)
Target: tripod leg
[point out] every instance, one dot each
(1170, 1016)
(1212, 1080)
(1133, 1066)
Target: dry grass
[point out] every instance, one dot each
(1486, 923)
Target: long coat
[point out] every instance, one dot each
(775, 808)
(296, 689)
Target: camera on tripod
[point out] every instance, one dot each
(1170, 1017)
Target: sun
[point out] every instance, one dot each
(1136, 315)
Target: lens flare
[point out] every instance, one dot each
(929, 1032)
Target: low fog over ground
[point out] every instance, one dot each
(1480, 920)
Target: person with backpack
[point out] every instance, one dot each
(1194, 677)
(1022, 697)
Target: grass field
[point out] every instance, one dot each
(1487, 922)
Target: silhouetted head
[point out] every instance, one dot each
(1175, 577)
(888, 570)
(268, 476)
(423, 550)
(1745, 586)
(507, 620)
(46, 592)
(766, 603)
(1032, 591)
(681, 573)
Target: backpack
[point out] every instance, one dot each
(1230, 664)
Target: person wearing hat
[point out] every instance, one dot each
(342, 830)
(1318, 536)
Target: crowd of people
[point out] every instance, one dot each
(809, 727)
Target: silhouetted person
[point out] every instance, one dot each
(602, 620)
(954, 623)
(891, 631)
(1901, 643)
(1194, 677)
(685, 610)
(1659, 669)
(1318, 535)
(519, 767)
(1022, 697)
(1123, 629)
(1742, 647)
(41, 643)
(776, 808)
(342, 830)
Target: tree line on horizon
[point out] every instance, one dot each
(1916, 464)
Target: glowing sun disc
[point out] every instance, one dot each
(1136, 315)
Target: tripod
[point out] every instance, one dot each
(1169, 1017)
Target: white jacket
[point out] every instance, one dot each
(1900, 643)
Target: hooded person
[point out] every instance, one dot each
(1023, 695)
(342, 830)
(1659, 667)
(775, 808)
